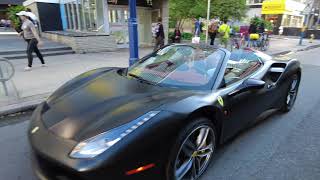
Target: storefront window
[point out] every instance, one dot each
(291, 21)
(82, 14)
(115, 16)
(126, 15)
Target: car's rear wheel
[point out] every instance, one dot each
(193, 151)
(292, 93)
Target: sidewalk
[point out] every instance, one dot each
(283, 45)
(11, 42)
(28, 89)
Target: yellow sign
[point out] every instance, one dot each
(220, 100)
(274, 7)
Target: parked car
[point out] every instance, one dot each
(162, 118)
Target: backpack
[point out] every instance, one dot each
(213, 28)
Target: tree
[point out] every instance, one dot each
(12, 11)
(227, 9)
(179, 11)
(224, 9)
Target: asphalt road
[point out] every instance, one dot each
(281, 147)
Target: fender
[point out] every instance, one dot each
(293, 66)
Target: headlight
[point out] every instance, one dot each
(96, 145)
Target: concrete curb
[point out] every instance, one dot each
(32, 104)
(26, 104)
(298, 50)
(19, 108)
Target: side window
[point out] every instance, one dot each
(241, 64)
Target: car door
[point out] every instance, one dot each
(240, 108)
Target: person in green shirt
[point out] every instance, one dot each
(224, 31)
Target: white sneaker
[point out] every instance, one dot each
(27, 68)
(44, 65)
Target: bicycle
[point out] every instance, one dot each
(237, 41)
(265, 42)
(6, 73)
(262, 44)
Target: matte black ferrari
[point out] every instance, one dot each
(162, 118)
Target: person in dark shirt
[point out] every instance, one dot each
(159, 35)
(176, 37)
(261, 28)
(252, 28)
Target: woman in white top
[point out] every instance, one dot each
(31, 35)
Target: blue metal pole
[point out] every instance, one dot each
(133, 33)
(63, 17)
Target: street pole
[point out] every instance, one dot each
(133, 33)
(208, 19)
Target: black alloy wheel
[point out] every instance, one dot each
(193, 151)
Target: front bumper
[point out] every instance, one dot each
(51, 159)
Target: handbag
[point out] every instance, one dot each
(254, 36)
(195, 40)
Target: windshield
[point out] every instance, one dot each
(179, 66)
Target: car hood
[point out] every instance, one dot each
(102, 103)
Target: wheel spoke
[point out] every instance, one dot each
(206, 151)
(202, 138)
(194, 153)
(188, 151)
(194, 169)
(197, 162)
(184, 169)
(190, 145)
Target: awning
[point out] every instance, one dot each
(273, 7)
(282, 7)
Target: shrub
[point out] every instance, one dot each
(186, 36)
(12, 11)
(258, 21)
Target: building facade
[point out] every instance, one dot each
(254, 8)
(284, 13)
(104, 18)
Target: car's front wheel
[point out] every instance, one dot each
(193, 151)
(292, 93)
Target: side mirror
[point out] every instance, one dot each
(247, 85)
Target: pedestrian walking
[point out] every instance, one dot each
(31, 35)
(224, 31)
(159, 35)
(176, 37)
(213, 29)
(197, 27)
(34, 19)
(302, 34)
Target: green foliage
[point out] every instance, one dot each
(179, 10)
(236, 28)
(227, 9)
(186, 36)
(186, 9)
(258, 21)
(12, 11)
(268, 25)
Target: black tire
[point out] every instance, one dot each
(183, 136)
(288, 104)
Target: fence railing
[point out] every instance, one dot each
(6, 73)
